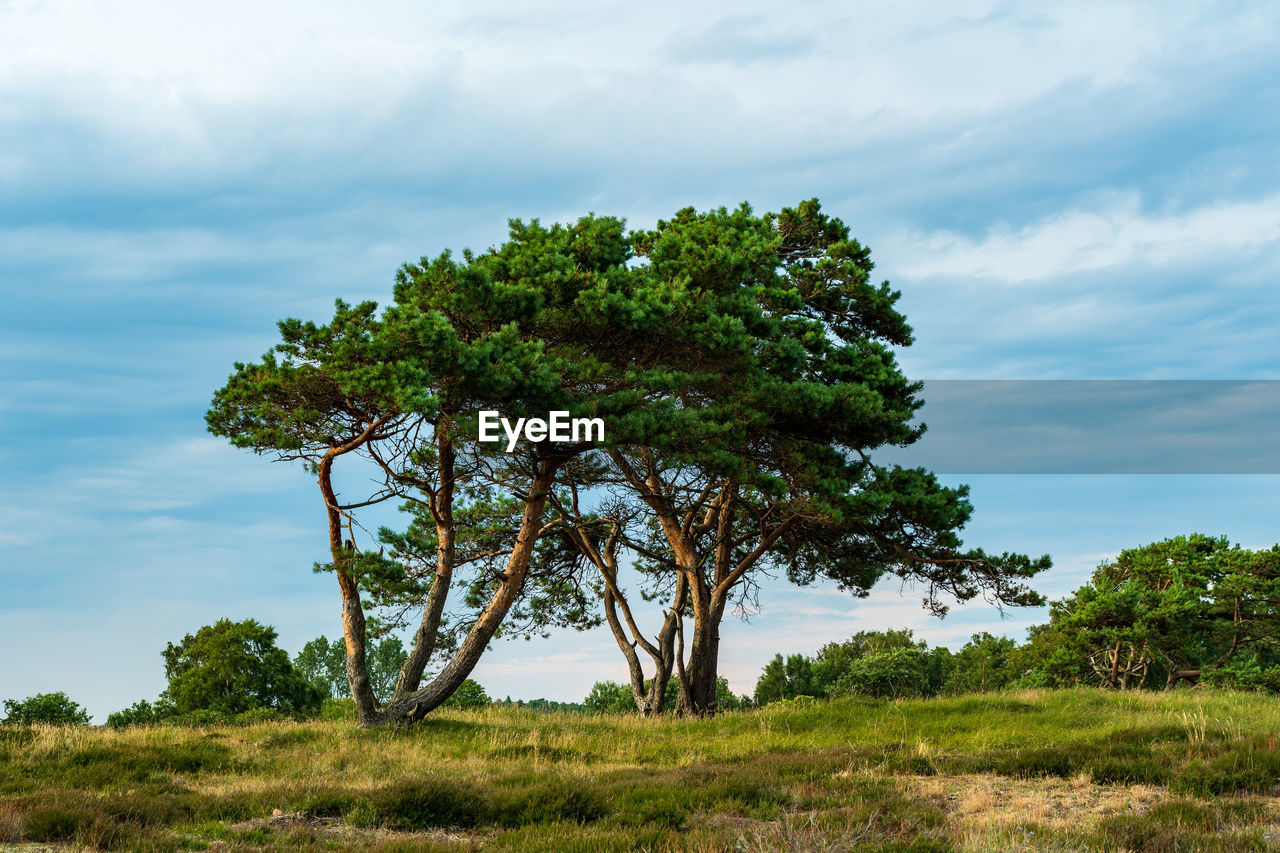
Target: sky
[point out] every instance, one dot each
(1084, 190)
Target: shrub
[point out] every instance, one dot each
(895, 673)
(338, 709)
(201, 717)
(429, 803)
(554, 800)
(141, 713)
(259, 715)
(230, 667)
(362, 815)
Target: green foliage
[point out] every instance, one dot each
(896, 673)
(324, 664)
(1191, 604)
(48, 708)
(141, 713)
(469, 695)
(983, 664)
(786, 679)
(726, 699)
(338, 709)
(610, 697)
(231, 667)
(873, 663)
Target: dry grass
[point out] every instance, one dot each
(1068, 770)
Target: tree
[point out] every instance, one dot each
(555, 319)
(141, 713)
(231, 667)
(983, 664)
(834, 660)
(1189, 608)
(469, 695)
(769, 466)
(48, 708)
(870, 662)
(610, 697)
(743, 365)
(324, 664)
(785, 679)
(727, 700)
(895, 673)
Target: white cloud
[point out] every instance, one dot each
(1117, 235)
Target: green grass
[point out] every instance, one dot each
(1043, 770)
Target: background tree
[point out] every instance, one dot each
(894, 673)
(469, 696)
(142, 713)
(786, 679)
(324, 664)
(1182, 609)
(874, 663)
(983, 664)
(49, 708)
(231, 667)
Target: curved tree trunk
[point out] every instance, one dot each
(353, 622)
(413, 706)
(424, 639)
(649, 698)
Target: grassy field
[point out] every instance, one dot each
(1042, 770)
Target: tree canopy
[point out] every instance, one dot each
(48, 708)
(231, 667)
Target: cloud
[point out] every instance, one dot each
(1087, 240)
(740, 40)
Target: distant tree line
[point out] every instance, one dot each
(1187, 610)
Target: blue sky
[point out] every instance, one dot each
(1078, 191)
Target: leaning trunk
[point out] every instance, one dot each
(412, 707)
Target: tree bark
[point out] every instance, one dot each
(353, 622)
(698, 698)
(1176, 675)
(424, 639)
(1115, 667)
(412, 707)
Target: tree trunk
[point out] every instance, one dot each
(1176, 675)
(353, 623)
(424, 640)
(412, 707)
(698, 694)
(664, 662)
(1115, 667)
